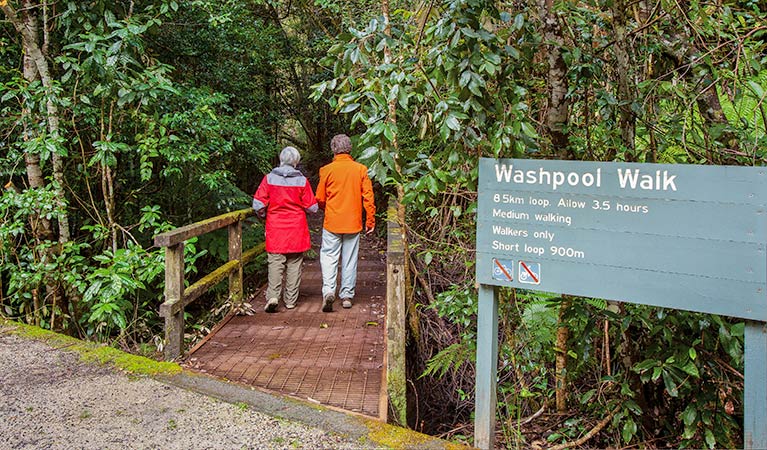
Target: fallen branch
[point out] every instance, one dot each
(534, 416)
(582, 440)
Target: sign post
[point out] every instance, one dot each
(676, 236)
(487, 367)
(755, 389)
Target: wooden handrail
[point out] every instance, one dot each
(177, 297)
(186, 232)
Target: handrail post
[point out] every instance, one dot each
(176, 295)
(173, 308)
(396, 375)
(235, 253)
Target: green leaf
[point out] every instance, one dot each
(404, 98)
(444, 131)
(519, 21)
(119, 320)
(474, 88)
(710, 439)
(349, 108)
(587, 396)
(368, 153)
(528, 130)
(644, 365)
(671, 386)
(453, 123)
(629, 430)
(388, 132)
(465, 78)
(691, 369)
(758, 90)
(388, 159)
(689, 415)
(469, 33)
(433, 186)
(427, 258)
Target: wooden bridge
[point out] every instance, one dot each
(349, 359)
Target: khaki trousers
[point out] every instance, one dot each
(289, 266)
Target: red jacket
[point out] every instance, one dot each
(285, 195)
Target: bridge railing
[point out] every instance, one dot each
(396, 313)
(177, 297)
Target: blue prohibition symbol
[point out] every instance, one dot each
(529, 272)
(503, 270)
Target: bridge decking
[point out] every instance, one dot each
(335, 359)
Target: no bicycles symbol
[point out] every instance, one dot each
(529, 272)
(503, 270)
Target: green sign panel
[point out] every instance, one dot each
(678, 236)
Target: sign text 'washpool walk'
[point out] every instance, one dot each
(660, 180)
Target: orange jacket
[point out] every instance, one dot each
(343, 190)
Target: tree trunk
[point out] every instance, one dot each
(35, 66)
(557, 114)
(644, 14)
(626, 120)
(392, 119)
(557, 119)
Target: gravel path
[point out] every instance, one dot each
(51, 400)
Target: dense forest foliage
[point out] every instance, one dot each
(124, 119)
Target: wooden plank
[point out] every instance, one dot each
(181, 234)
(208, 281)
(194, 291)
(251, 254)
(174, 293)
(395, 245)
(234, 231)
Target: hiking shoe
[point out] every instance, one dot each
(347, 303)
(271, 305)
(327, 302)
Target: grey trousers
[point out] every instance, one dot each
(346, 248)
(289, 265)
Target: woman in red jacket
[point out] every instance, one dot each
(284, 197)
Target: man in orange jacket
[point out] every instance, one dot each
(343, 191)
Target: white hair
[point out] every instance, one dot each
(289, 156)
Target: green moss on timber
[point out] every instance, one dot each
(90, 352)
(393, 437)
(397, 395)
